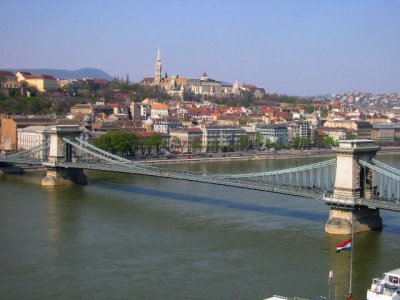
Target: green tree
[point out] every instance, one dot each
(215, 145)
(269, 144)
(164, 144)
(196, 143)
(141, 145)
(259, 140)
(104, 142)
(329, 141)
(243, 141)
(156, 141)
(117, 142)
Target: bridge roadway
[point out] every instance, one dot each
(247, 183)
(141, 169)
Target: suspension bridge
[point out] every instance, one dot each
(355, 185)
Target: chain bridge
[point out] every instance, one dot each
(355, 185)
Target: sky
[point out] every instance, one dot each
(292, 47)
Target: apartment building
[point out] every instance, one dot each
(165, 125)
(221, 135)
(276, 133)
(8, 80)
(186, 139)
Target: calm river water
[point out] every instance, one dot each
(136, 237)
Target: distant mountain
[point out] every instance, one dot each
(65, 74)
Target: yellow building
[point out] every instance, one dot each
(41, 82)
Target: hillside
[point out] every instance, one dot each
(66, 74)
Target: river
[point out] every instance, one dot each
(136, 237)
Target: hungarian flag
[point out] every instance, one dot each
(344, 246)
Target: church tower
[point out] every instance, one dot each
(157, 75)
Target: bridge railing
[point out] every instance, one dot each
(385, 180)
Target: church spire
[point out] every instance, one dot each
(158, 68)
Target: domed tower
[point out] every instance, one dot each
(148, 125)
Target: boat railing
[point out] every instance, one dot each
(298, 298)
(380, 286)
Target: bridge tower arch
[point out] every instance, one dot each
(61, 152)
(352, 182)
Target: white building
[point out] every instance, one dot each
(166, 124)
(276, 133)
(33, 136)
(186, 139)
(222, 135)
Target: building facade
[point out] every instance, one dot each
(186, 139)
(165, 125)
(276, 133)
(41, 82)
(8, 80)
(217, 137)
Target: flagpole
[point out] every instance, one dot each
(351, 255)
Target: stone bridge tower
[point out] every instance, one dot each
(62, 152)
(353, 182)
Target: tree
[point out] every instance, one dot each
(259, 140)
(214, 146)
(164, 144)
(176, 143)
(243, 141)
(196, 143)
(329, 141)
(310, 109)
(156, 140)
(117, 142)
(141, 145)
(269, 144)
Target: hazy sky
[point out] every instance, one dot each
(288, 47)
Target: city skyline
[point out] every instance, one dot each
(299, 48)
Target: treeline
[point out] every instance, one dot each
(125, 143)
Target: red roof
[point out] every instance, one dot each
(6, 73)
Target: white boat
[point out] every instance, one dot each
(385, 288)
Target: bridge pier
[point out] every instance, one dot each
(352, 182)
(361, 219)
(63, 176)
(61, 152)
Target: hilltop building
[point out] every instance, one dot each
(41, 82)
(8, 80)
(181, 87)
